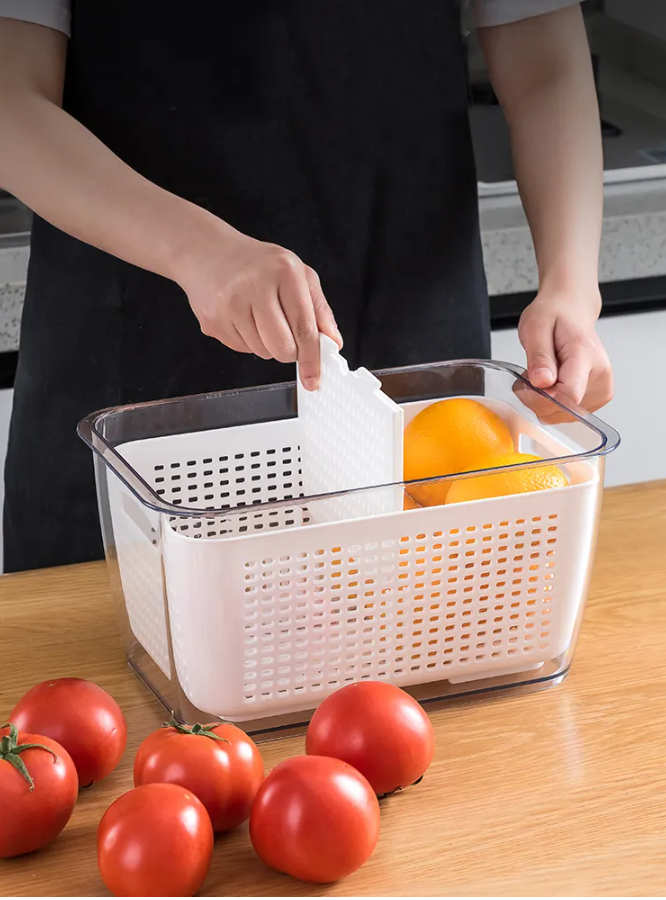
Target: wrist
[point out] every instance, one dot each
(577, 288)
(197, 235)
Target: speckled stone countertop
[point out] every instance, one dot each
(633, 242)
(13, 267)
(633, 246)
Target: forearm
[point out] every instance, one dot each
(542, 73)
(551, 108)
(67, 176)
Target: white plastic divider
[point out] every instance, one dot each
(351, 438)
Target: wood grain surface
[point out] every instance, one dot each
(557, 793)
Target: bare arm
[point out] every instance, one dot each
(252, 296)
(542, 74)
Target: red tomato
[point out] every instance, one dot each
(38, 790)
(82, 718)
(376, 728)
(315, 818)
(220, 764)
(155, 841)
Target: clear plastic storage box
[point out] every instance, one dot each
(244, 597)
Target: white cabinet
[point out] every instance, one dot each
(6, 397)
(635, 345)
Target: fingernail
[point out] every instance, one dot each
(311, 383)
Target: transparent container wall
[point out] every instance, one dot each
(203, 412)
(254, 606)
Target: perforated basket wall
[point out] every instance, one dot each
(272, 610)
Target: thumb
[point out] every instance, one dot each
(536, 336)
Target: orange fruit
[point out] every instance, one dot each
(448, 437)
(512, 481)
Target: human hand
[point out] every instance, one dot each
(256, 297)
(564, 353)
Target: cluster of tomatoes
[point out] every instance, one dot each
(315, 817)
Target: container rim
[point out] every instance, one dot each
(88, 431)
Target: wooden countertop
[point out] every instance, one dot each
(556, 793)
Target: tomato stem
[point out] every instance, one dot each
(10, 751)
(202, 730)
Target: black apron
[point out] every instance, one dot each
(338, 129)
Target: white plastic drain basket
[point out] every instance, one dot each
(254, 600)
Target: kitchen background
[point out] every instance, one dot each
(628, 40)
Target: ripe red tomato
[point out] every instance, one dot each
(82, 718)
(38, 790)
(155, 841)
(219, 764)
(376, 728)
(315, 818)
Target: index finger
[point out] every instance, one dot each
(547, 413)
(297, 305)
(574, 374)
